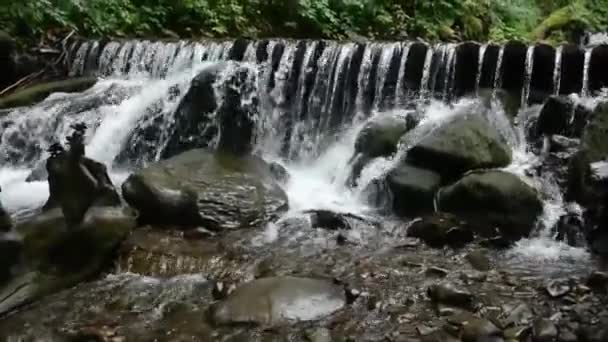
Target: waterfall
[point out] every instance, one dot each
(585, 87)
(557, 70)
(314, 98)
(525, 93)
(482, 54)
(498, 71)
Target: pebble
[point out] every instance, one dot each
(479, 261)
(448, 295)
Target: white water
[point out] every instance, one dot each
(557, 70)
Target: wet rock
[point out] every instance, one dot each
(467, 143)
(479, 260)
(570, 230)
(380, 136)
(598, 280)
(560, 115)
(435, 271)
(279, 300)
(474, 329)
(328, 219)
(413, 189)
(11, 250)
(77, 183)
(567, 336)
(558, 288)
(446, 294)
(517, 315)
(279, 172)
(543, 330)
(200, 117)
(201, 188)
(37, 93)
(496, 198)
(560, 143)
(440, 230)
(318, 335)
(517, 333)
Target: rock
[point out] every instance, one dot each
(474, 329)
(558, 288)
(570, 230)
(543, 330)
(58, 257)
(328, 219)
(496, 198)
(55, 248)
(560, 143)
(598, 280)
(37, 93)
(380, 136)
(435, 271)
(440, 230)
(319, 335)
(279, 300)
(445, 294)
(11, 250)
(466, 143)
(413, 189)
(560, 115)
(202, 188)
(77, 183)
(519, 315)
(200, 117)
(279, 172)
(479, 260)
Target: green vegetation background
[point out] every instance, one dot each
(483, 20)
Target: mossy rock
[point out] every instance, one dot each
(496, 198)
(467, 143)
(39, 92)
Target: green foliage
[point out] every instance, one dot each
(496, 20)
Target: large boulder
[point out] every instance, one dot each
(379, 138)
(205, 188)
(561, 115)
(56, 256)
(466, 143)
(497, 198)
(413, 189)
(279, 300)
(219, 110)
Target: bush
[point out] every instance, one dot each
(496, 20)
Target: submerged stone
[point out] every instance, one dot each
(441, 230)
(466, 143)
(205, 188)
(560, 115)
(279, 300)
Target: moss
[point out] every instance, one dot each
(39, 92)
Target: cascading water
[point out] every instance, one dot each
(557, 70)
(585, 87)
(525, 93)
(315, 97)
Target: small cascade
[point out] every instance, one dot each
(557, 70)
(498, 71)
(585, 87)
(525, 93)
(448, 85)
(399, 89)
(426, 72)
(482, 54)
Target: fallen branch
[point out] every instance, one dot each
(21, 81)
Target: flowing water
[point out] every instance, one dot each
(315, 97)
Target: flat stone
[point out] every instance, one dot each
(279, 300)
